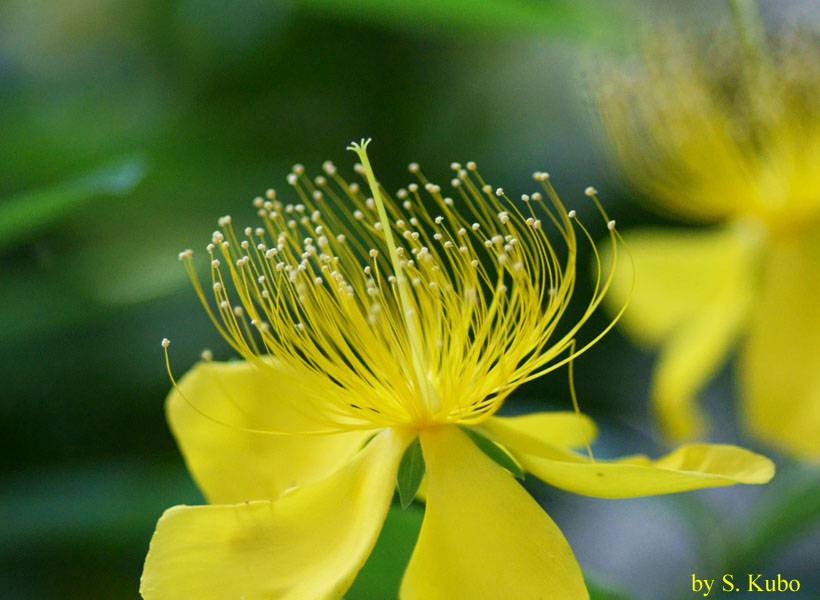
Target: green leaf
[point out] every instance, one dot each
(789, 508)
(381, 575)
(29, 213)
(592, 19)
(494, 451)
(411, 472)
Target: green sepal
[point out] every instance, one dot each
(494, 451)
(411, 472)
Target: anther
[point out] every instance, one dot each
(590, 191)
(165, 342)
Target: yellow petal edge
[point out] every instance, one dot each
(231, 465)
(692, 466)
(308, 544)
(483, 536)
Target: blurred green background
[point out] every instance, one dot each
(128, 128)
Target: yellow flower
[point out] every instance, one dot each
(355, 347)
(728, 137)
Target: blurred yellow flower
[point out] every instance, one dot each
(378, 345)
(728, 137)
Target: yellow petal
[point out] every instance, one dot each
(690, 467)
(483, 536)
(781, 363)
(691, 355)
(677, 274)
(234, 466)
(563, 428)
(692, 295)
(309, 544)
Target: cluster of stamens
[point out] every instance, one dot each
(384, 311)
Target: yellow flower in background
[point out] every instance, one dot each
(377, 338)
(730, 137)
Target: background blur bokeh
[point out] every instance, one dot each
(127, 128)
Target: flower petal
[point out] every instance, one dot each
(677, 273)
(308, 544)
(690, 467)
(563, 428)
(230, 465)
(780, 366)
(483, 536)
(689, 357)
(692, 295)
